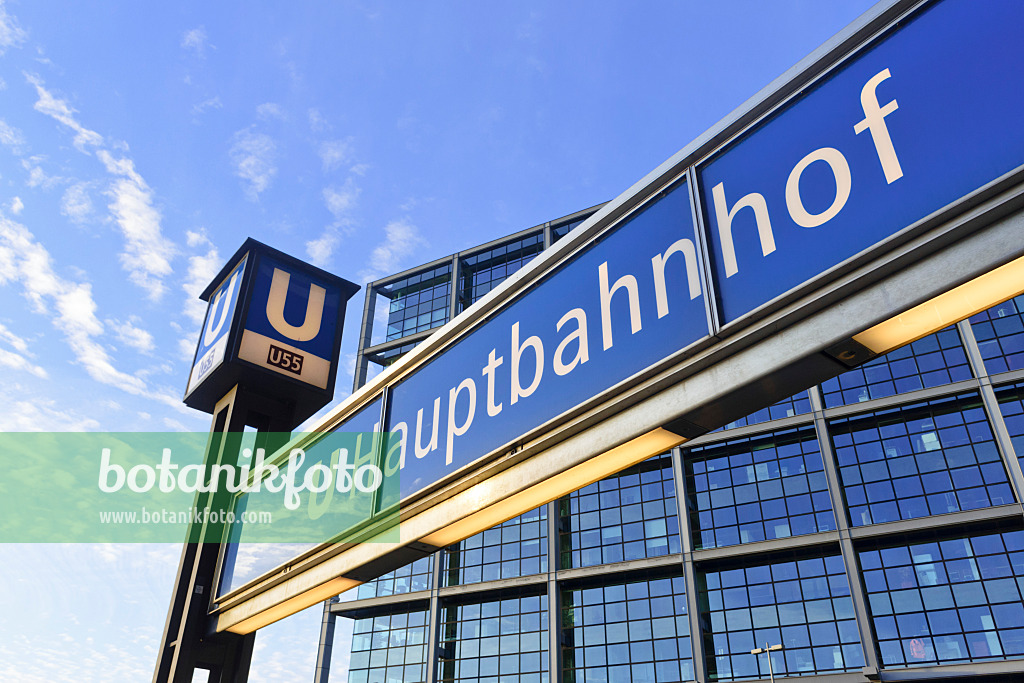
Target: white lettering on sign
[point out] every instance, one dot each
(222, 299)
(275, 308)
(840, 171)
(528, 357)
(874, 121)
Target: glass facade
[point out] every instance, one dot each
(517, 547)
(411, 578)
(922, 459)
(948, 601)
(798, 404)
(929, 362)
(757, 488)
(418, 302)
(891, 487)
(626, 517)
(1011, 403)
(481, 272)
(423, 300)
(389, 648)
(1000, 335)
(804, 605)
(633, 632)
(560, 231)
(502, 640)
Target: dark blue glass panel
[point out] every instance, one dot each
(757, 488)
(929, 362)
(945, 610)
(923, 459)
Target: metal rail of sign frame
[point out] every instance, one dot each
(782, 343)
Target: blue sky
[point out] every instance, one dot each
(140, 144)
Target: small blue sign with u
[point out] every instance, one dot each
(290, 323)
(220, 313)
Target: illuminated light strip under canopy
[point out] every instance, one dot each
(293, 605)
(619, 458)
(985, 291)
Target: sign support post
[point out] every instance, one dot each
(266, 359)
(190, 641)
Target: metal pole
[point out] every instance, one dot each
(768, 649)
(326, 646)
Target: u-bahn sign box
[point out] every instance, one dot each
(273, 323)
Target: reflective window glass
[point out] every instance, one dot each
(485, 270)
(514, 548)
(639, 626)
(628, 516)
(389, 648)
(1011, 403)
(803, 605)
(929, 362)
(797, 404)
(923, 459)
(1000, 335)
(481, 641)
(947, 601)
(411, 578)
(757, 488)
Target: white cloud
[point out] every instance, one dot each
(37, 177)
(270, 110)
(187, 347)
(6, 265)
(401, 239)
(42, 416)
(76, 203)
(131, 334)
(202, 268)
(175, 425)
(19, 358)
(147, 253)
(15, 361)
(317, 122)
(195, 40)
(17, 205)
(197, 238)
(333, 153)
(11, 35)
(339, 201)
(72, 310)
(11, 137)
(322, 248)
(253, 155)
(16, 342)
(212, 103)
(59, 110)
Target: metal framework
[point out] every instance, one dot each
(368, 350)
(845, 540)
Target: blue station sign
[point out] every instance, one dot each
(274, 325)
(924, 114)
(213, 342)
(912, 116)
